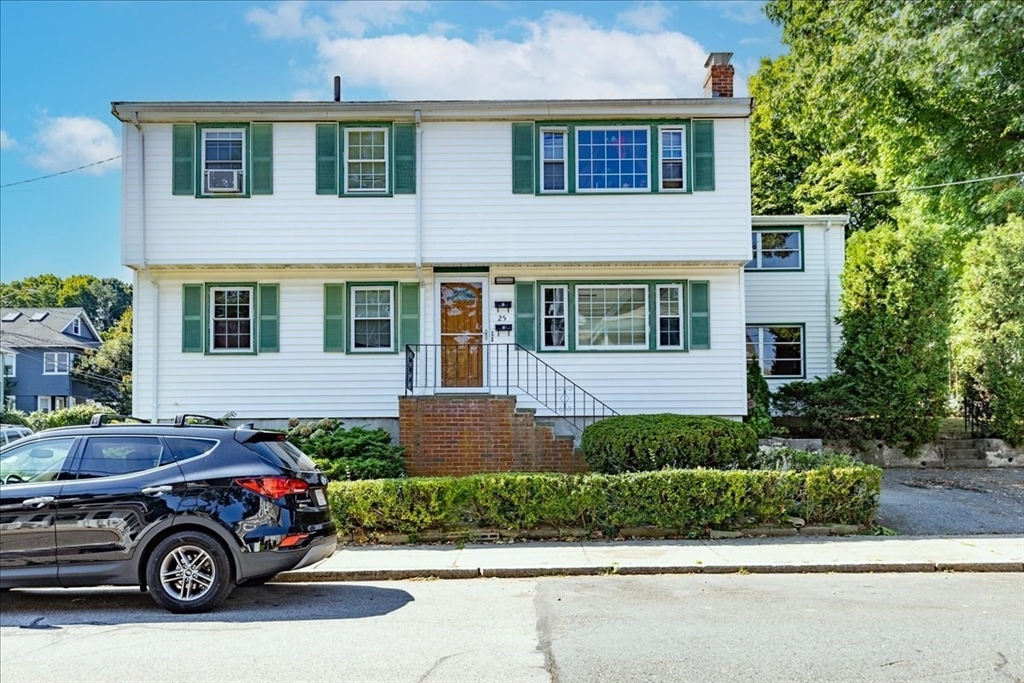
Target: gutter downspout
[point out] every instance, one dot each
(828, 300)
(145, 268)
(417, 117)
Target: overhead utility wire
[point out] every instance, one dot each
(54, 175)
(929, 187)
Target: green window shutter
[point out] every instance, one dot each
(409, 306)
(703, 156)
(522, 158)
(183, 150)
(192, 335)
(404, 146)
(334, 317)
(262, 147)
(700, 317)
(526, 315)
(327, 158)
(270, 336)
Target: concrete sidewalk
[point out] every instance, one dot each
(764, 556)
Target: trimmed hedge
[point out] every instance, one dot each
(642, 443)
(689, 501)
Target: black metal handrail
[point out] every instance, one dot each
(977, 411)
(509, 368)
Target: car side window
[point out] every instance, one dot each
(181, 448)
(34, 462)
(110, 456)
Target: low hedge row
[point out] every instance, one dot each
(689, 501)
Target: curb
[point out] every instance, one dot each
(535, 572)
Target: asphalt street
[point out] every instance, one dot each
(738, 627)
(936, 502)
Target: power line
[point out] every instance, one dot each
(930, 187)
(54, 175)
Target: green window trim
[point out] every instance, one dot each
(803, 348)
(339, 317)
(261, 157)
(400, 157)
(196, 318)
(268, 304)
(254, 320)
(193, 339)
(351, 287)
(246, 163)
(703, 155)
(526, 294)
(523, 131)
(183, 150)
(327, 173)
(409, 313)
(698, 302)
(782, 228)
(334, 318)
(536, 316)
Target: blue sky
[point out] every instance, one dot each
(61, 65)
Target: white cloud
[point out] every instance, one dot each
(645, 16)
(6, 141)
(559, 56)
(743, 11)
(66, 142)
(352, 18)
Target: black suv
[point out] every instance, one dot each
(186, 510)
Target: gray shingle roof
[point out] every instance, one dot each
(24, 332)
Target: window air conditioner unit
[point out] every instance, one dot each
(224, 181)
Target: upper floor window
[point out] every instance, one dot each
(373, 318)
(672, 153)
(231, 319)
(76, 327)
(366, 160)
(776, 250)
(778, 349)
(223, 162)
(612, 159)
(56, 362)
(554, 161)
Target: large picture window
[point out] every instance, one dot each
(366, 161)
(231, 320)
(776, 250)
(778, 349)
(373, 318)
(611, 316)
(613, 159)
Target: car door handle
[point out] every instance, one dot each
(42, 501)
(157, 490)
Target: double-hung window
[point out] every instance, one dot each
(555, 317)
(231, 319)
(670, 316)
(611, 316)
(613, 159)
(76, 327)
(778, 349)
(554, 161)
(373, 318)
(223, 161)
(776, 250)
(672, 153)
(56, 362)
(366, 161)
(10, 365)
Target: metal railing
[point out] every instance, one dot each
(506, 368)
(977, 412)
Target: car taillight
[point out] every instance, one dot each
(273, 487)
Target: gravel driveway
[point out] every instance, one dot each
(933, 502)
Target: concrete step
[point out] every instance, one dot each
(965, 464)
(962, 454)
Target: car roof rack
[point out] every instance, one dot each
(191, 418)
(100, 419)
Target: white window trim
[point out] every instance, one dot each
(564, 132)
(620, 190)
(755, 261)
(352, 324)
(56, 362)
(252, 320)
(662, 160)
(680, 315)
(44, 404)
(10, 402)
(759, 349)
(76, 326)
(386, 160)
(10, 360)
(617, 347)
(565, 316)
(244, 170)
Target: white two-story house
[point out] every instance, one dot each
(311, 259)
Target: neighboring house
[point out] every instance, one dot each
(324, 258)
(792, 295)
(39, 349)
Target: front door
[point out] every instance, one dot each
(462, 334)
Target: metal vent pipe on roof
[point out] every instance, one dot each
(337, 88)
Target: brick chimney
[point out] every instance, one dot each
(718, 82)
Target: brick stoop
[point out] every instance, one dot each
(460, 434)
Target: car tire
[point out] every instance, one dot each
(189, 572)
(256, 581)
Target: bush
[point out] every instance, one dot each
(686, 501)
(351, 454)
(14, 417)
(827, 407)
(801, 461)
(640, 443)
(80, 414)
(758, 401)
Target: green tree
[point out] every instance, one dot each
(988, 325)
(104, 300)
(108, 369)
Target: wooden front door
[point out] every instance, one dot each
(462, 334)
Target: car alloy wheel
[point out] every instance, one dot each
(189, 572)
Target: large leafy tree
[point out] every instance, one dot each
(108, 369)
(104, 300)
